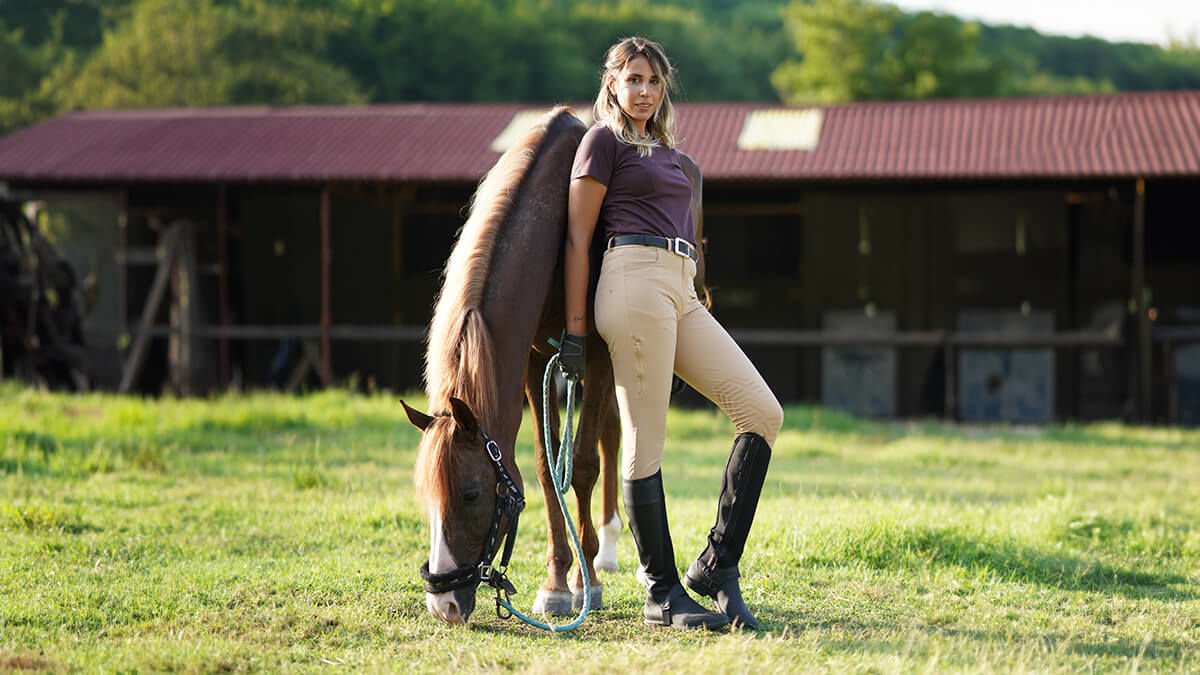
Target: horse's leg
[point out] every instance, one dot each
(597, 389)
(553, 597)
(610, 476)
(595, 429)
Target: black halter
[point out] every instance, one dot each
(509, 503)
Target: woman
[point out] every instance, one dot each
(627, 178)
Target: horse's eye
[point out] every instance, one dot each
(471, 495)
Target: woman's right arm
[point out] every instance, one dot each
(583, 210)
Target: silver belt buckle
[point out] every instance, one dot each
(681, 247)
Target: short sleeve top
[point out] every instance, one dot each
(646, 195)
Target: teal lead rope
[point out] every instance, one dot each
(560, 473)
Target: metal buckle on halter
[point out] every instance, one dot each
(493, 450)
(681, 247)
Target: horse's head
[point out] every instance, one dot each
(472, 502)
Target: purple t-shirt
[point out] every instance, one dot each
(646, 195)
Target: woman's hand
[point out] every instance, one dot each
(572, 356)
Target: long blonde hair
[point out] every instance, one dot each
(660, 129)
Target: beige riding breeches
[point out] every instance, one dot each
(647, 311)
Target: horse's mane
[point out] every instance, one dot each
(459, 359)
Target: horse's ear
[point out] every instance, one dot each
(419, 419)
(463, 417)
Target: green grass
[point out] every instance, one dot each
(277, 533)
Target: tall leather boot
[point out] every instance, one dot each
(715, 573)
(667, 604)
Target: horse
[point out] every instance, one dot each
(500, 302)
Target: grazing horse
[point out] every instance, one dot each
(501, 300)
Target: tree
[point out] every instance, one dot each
(76, 24)
(860, 50)
(185, 52)
(24, 68)
(841, 42)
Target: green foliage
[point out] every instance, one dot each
(74, 24)
(542, 51)
(17, 64)
(1073, 61)
(842, 42)
(23, 67)
(863, 50)
(182, 52)
(284, 534)
(860, 50)
(58, 55)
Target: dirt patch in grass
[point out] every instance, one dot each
(10, 662)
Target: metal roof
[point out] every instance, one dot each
(1154, 134)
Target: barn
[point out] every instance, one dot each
(1023, 259)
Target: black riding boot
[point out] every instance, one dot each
(715, 572)
(667, 604)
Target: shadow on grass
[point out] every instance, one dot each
(893, 548)
(1001, 640)
(1114, 435)
(50, 457)
(43, 454)
(1152, 649)
(247, 434)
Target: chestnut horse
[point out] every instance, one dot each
(500, 302)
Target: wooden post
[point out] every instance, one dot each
(949, 383)
(123, 253)
(168, 248)
(396, 291)
(1141, 318)
(181, 350)
(223, 281)
(1172, 387)
(326, 299)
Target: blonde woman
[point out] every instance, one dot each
(627, 179)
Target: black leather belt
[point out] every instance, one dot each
(679, 246)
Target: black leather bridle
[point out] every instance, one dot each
(509, 504)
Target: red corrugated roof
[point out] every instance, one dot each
(1123, 135)
(404, 142)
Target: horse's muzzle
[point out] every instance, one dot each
(454, 607)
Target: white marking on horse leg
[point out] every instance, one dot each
(606, 557)
(441, 605)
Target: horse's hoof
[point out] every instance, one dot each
(554, 603)
(604, 564)
(597, 599)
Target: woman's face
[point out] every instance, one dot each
(639, 90)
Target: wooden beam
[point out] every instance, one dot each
(755, 209)
(122, 252)
(133, 363)
(310, 360)
(949, 383)
(277, 332)
(183, 311)
(326, 295)
(225, 315)
(1141, 317)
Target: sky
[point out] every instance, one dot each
(1114, 20)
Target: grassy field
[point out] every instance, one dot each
(278, 533)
